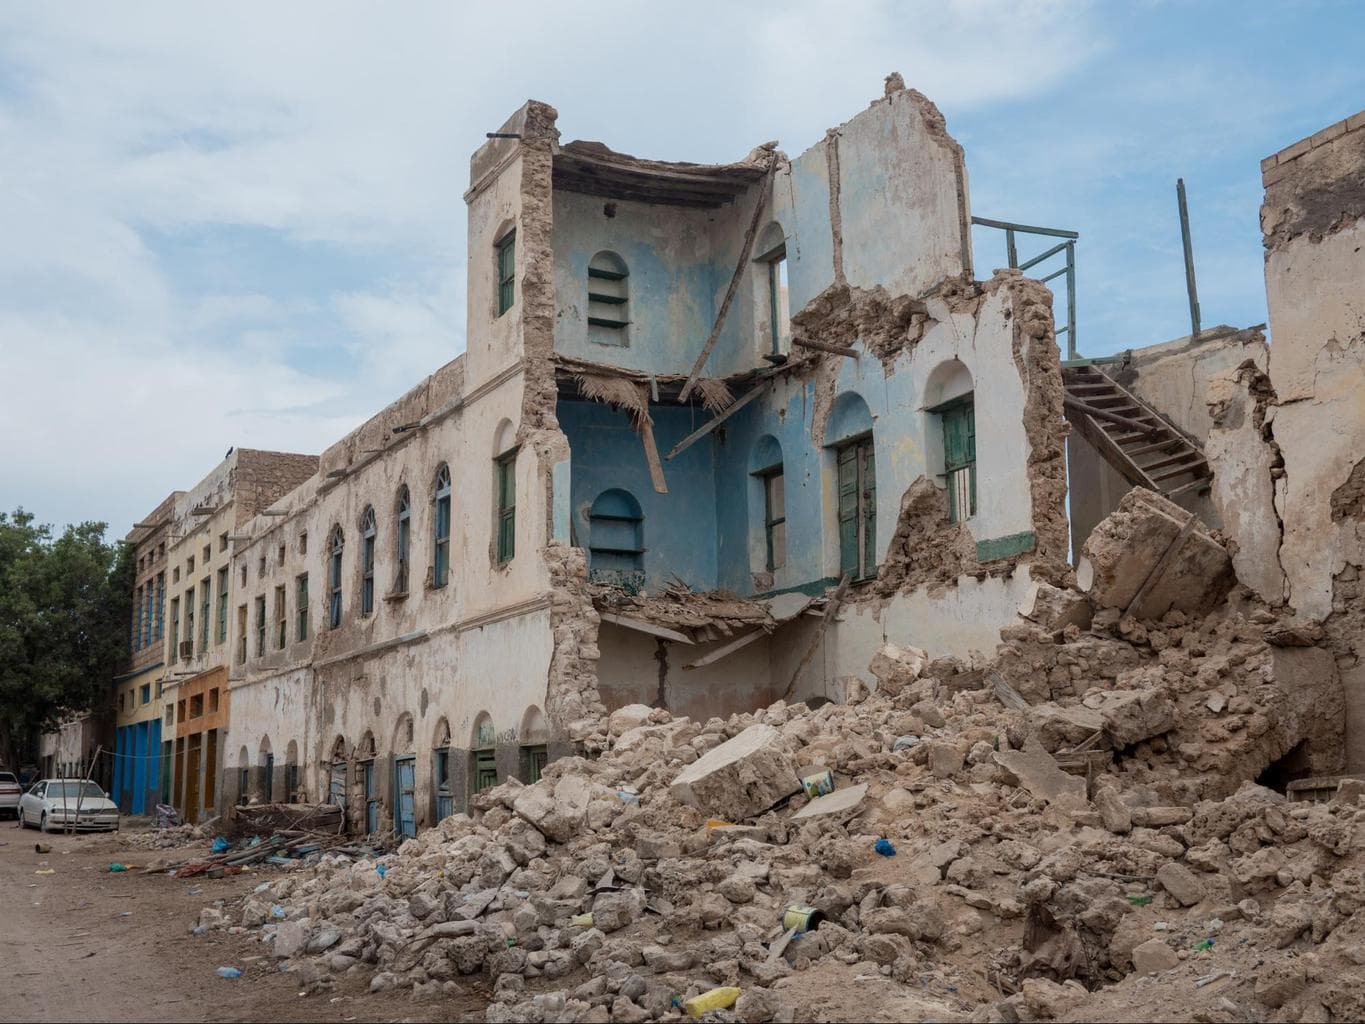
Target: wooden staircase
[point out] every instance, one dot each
(1131, 436)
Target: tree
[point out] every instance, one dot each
(65, 609)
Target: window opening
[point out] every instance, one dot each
(404, 540)
(222, 604)
(537, 757)
(958, 418)
(367, 562)
(281, 619)
(616, 540)
(301, 612)
(260, 626)
(857, 508)
(774, 515)
(206, 611)
(608, 299)
(506, 466)
(440, 562)
(507, 271)
(334, 612)
(241, 634)
(175, 629)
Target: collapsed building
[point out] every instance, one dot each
(718, 432)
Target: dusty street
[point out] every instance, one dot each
(86, 944)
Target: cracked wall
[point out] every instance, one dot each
(1313, 222)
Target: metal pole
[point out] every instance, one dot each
(1189, 257)
(80, 795)
(1071, 301)
(1011, 252)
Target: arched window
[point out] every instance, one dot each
(484, 767)
(367, 562)
(334, 578)
(403, 540)
(616, 540)
(772, 252)
(267, 785)
(608, 299)
(952, 410)
(768, 471)
(440, 556)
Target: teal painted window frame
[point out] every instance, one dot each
(506, 474)
(856, 506)
(440, 550)
(776, 554)
(301, 612)
(506, 262)
(958, 419)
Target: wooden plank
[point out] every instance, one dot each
(838, 350)
(831, 610)
(1087, 409)
(656, 469)
(640, 626)
(1163, 563)
(712, 424)
(1007, 694)
(739, 643)
(1112, 453)
(1173, 460)
(760, 204)
(1180, 471)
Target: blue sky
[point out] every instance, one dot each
(244, 226)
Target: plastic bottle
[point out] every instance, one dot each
(229, 972)
(716, 999)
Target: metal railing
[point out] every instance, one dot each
(1066, 247)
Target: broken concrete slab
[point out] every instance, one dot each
(1057, 726)
(629, 717)
(1034, 769)
(896, 667)
(1182, 883)
(1114, 813)
(1056, 607)
(1122, 551)
(1131, 716)
(839, 803)
(1153, 956)
(742, 777)
(559, 813)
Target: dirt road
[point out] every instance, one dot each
(85, 944)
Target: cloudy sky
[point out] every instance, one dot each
(242, 224)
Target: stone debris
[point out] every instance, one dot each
(1069, 819)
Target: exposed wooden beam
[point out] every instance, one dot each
(745, 250)
(724, 651)
(640, 626)
(712, 424)
(838, 350)
(1146, 429)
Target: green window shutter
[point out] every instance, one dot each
(507, 507)
(959, 457)
(506, 272)
(869, 510)
(848, 509)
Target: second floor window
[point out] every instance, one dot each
(440, 558)
(367, 562)
(334, 580)
(301, 611)
(222, 604)
(506, 265)
(506, 484)
(403, 541)
(260, 626)
(281, 619)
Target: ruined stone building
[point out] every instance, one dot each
(720, 431)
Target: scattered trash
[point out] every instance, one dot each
(581, 920)
(116, 867)
(717, 999)
(802, 918)
(166, 816)
(1139, 901)
(628, 795)
(1209, 979)
(46, 871)
(904, 743)
(381, 870)
(220, 844)
(1205, 944)
(819, 784)
(229, 972)
(719, 823)
(277, 912)
(41, 848)
(884, 847)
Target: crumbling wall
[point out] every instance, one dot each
(1313, 222)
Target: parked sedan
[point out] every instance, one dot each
(10, 791)
(54, 805)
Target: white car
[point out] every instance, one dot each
(55, 805)
(10, 791)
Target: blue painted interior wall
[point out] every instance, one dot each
(680, 527)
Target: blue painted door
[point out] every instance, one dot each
(405, 774)
(371, 799)
(139, 751)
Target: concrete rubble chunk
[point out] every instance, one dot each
(839, 803)
(1115, 814)
(1037, 771)
(1182, 883)
(1127, 545)
(558, 812)
(1154, 956)
(742, 777)
(896, 667)
(629, 717)
(1056, 607)
(1131, 716)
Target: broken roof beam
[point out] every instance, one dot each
(625, 622)
(745, 251)
(822, 346)
(724, 651)
(712, 424)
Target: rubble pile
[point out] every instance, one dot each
(1072, 829)
(170, 837)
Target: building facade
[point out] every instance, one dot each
(140, 775)
(718, 432)
(201, 590)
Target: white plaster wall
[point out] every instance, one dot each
(898, 199)
(1316, 293)
(492, 342)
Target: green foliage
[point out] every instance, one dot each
(65, 609)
